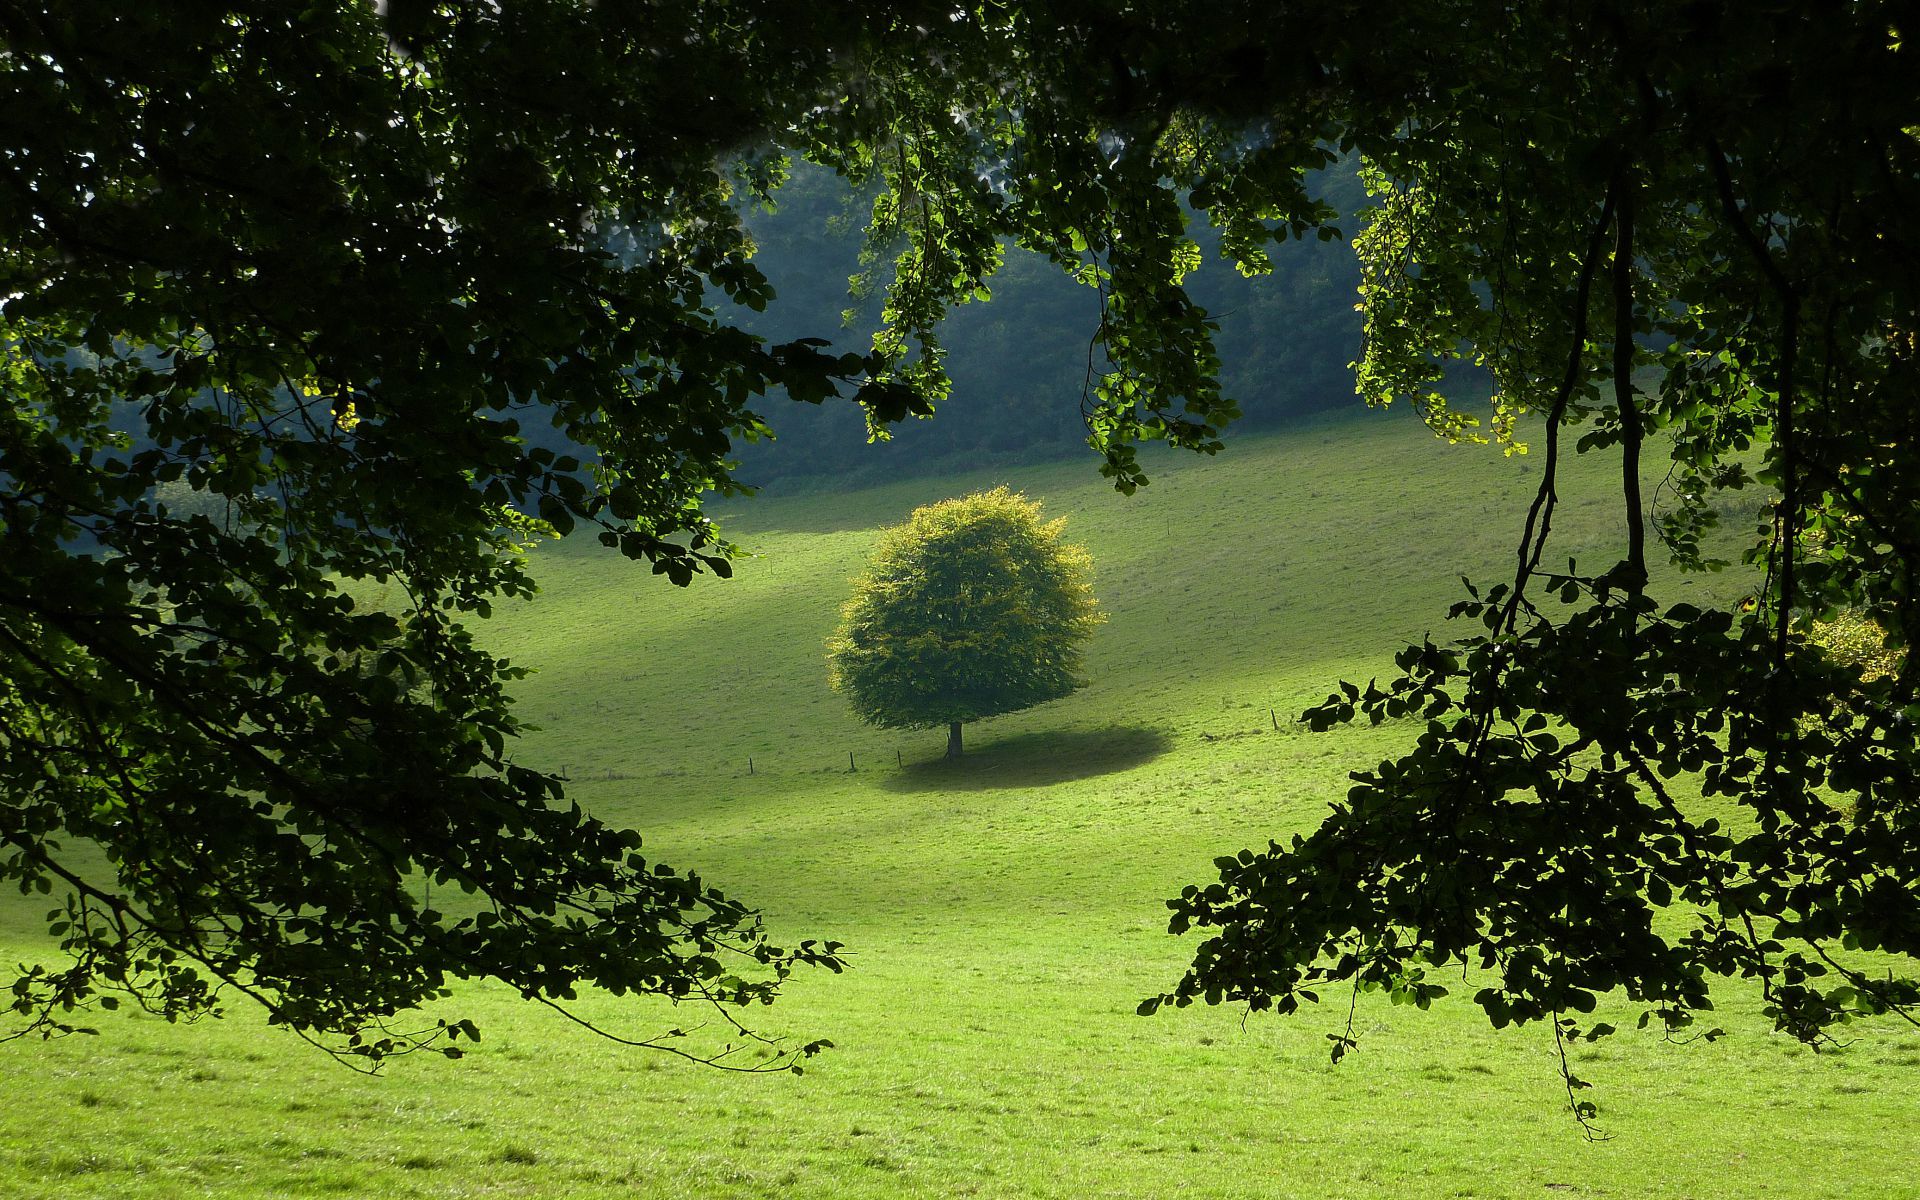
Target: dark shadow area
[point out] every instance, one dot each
(1032, 760)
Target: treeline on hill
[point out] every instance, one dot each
(1019, 362)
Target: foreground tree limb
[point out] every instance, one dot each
(301, 308)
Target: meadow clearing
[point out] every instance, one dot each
(1002, 914)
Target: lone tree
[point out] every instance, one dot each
(971, 609)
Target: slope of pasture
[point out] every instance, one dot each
(1003, 913)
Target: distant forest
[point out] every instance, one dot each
(1019, 361)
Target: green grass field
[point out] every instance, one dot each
(1003, 914)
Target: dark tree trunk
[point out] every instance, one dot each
(953, 740)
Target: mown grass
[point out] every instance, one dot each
(1003, 913)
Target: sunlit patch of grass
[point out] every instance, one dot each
(1003, 914)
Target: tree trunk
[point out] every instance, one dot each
(953, 740)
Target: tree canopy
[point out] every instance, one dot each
(315, 263)
(972, 608)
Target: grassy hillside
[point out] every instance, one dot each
(1003, 912)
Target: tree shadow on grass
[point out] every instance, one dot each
(1032, 760)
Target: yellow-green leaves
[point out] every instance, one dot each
(972, 608)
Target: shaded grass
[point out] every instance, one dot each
(1003, 912)
(1034, 760)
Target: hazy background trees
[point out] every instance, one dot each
(1020, 363)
